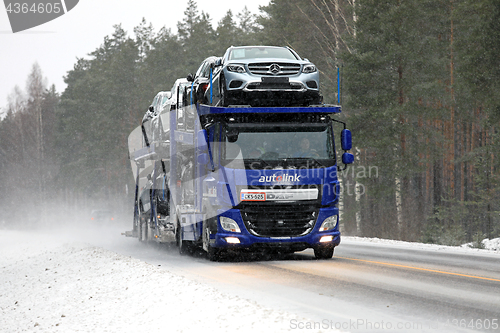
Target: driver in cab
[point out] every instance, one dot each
(305, 150)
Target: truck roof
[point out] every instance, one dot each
(320, 109)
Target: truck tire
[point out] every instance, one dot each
(145, 232)
(213, 253)
(135, 227)
(324, 252)
(183, 246)
(141, 231)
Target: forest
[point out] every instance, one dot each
(420, 91)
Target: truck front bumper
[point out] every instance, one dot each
(246, 240)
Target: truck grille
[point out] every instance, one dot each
(273, 68)
(283, 220)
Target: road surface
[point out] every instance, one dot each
(366, 287)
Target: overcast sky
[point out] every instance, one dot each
(57, 44)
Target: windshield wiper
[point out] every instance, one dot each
(250, 161)
(307, 159)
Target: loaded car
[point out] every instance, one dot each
(258, 76)
(158, 104)
(201, 90)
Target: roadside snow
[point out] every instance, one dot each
(48, 285)
(490, 246)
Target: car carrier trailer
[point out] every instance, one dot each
(238, 178)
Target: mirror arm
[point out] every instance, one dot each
(341, 122)
(345, 127)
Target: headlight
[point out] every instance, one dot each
(309, 69)
(236, 68)
(329, 223)
(229, 224)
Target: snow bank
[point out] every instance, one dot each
(490, 246)
(47, 285)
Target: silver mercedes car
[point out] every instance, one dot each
(265, 76)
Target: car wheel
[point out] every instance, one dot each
(223, 91)
(324, 252)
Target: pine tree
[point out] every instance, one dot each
(196, 35)
(396, 74)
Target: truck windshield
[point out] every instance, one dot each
(287, 145)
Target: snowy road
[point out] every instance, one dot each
(369, 286)
(400, 287)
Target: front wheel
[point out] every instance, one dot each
(213, 253)
(323, 252)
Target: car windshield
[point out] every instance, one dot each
(272, 144)
(261, 52)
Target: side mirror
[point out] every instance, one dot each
(346, 140)
(190, 77)
(218, 62)
(347, 158)
(232, 135)
(151, 108)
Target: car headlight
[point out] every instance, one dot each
(236, 68)
(329, 223)
(309, 69)
(229, 224)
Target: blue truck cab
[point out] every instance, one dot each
(262, 179)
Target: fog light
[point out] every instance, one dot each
(312, 84)
(235, 84)
(326, 239)
(232, 240)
